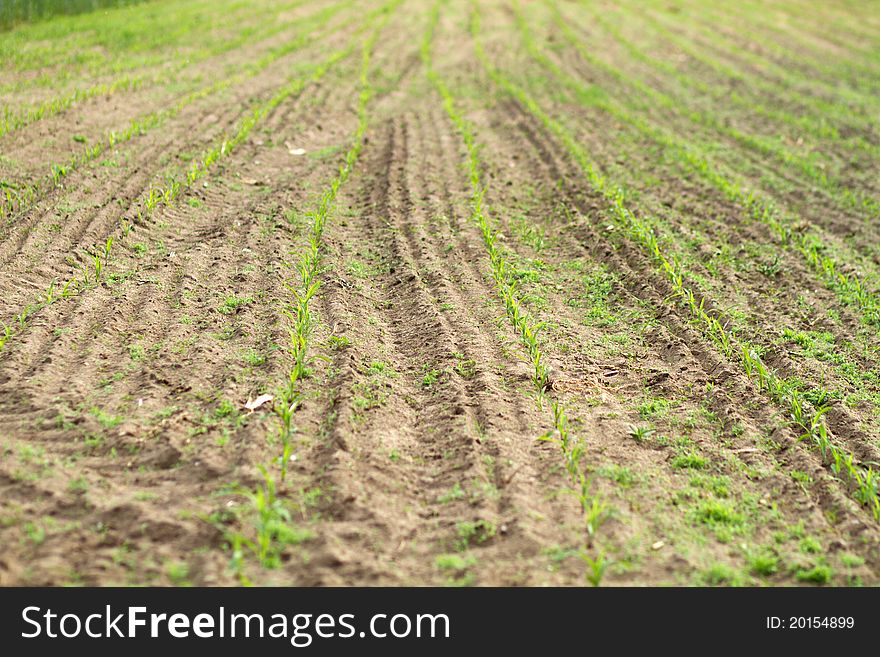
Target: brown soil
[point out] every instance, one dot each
(125, 445)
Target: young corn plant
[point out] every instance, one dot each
(596, 567)
(272, 518)
(593, 509)
(7, 333)
(303, 286)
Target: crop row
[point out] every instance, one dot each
(573, 448)
(272, 518)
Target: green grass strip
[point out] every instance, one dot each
(13, 12)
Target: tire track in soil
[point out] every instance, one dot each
(446, 433)
(536, 461)
(179, 468)
(684, 347)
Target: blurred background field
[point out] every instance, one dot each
(13, 12)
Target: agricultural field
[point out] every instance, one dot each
(446, 292)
